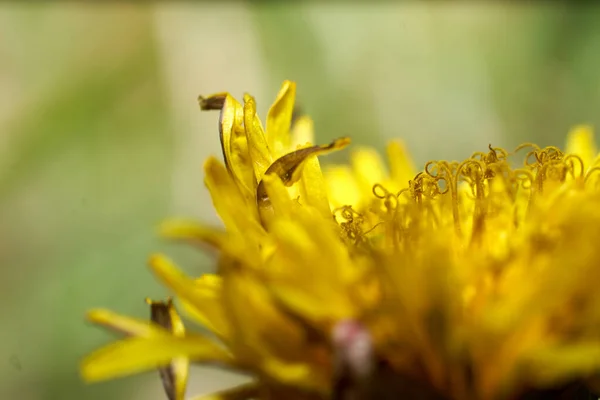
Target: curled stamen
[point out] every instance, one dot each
(403, 191)
(373, 227)
(391, 201)
(570, 162)
(522, 146)
(380, 191)
(348, 213)
(522, 177)
(495, 154)
(351, 224)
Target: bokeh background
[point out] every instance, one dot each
(101, 136)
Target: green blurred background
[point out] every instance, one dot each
(101, 136)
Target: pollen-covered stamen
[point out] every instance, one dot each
(351, 223)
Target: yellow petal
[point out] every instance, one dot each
(313, 189)
(368, 167)
(319, 300)
(580, 141)
(342, 188)
(247, 301)
(211, 314)
(303, 132)
(301, 375)
(563, 363)
(202, 298)
(276, 200)
(233, 139)
(124, 324)
(180, 369)
(233, 246)
(402, 168)
(174, 376)
(192, 231)
(236, 213)
(255, 136)
(289, 168)
(138, 354)
(242, 392)
(279, 119)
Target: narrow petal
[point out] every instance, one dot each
(289, 167)
(233, 209)
(580, 141)
(242, 392)
(257, 143)
(342, 188)
(313, 189)
(300, 375)
(233, 139)
(303, 132)
(299, 250)
(192, 231)
(368, 167)
(174, 376)
(276, 201)
(563, 363)
(247, 301)
(137, 354)
(402, 168)
(279, 119)
(123, 324)
(211, 314)
(204, 300)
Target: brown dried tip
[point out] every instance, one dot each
(214, 102)
(160, 314)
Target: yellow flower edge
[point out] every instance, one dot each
(466, 280)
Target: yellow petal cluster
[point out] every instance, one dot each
(475, 278)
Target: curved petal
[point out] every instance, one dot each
(289, 169)
(279, 119)
(303, 132)
(402, 168)
(123, 324)
(203, 299)
(211, 314)
(368, 167)
(580, 141)
(234, 210)
(342, 188)
(313, 190)
(174, 376)
(192, 231)
(255, 135)
(233, 139)
(138, 354)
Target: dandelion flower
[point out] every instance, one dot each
(467, 280)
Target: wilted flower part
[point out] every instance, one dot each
(465, 280)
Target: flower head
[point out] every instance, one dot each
(466, 280)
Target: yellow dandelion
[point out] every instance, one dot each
(466, 280)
